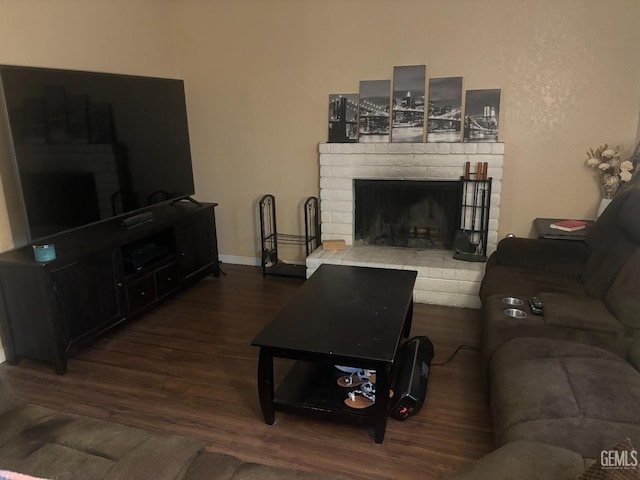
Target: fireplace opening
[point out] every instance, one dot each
(407, 213)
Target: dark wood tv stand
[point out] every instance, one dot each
(103, 275)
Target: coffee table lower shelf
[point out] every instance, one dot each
(312, 388)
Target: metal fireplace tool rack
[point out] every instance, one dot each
(271, 238)
(470, 241)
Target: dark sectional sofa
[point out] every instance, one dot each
(564, 386)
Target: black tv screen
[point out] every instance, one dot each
(92, 146)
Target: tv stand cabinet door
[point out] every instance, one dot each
(30, 321)
(87, 296)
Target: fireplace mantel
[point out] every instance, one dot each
(441, 280)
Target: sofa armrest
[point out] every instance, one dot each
(560, 257)
(581, 313)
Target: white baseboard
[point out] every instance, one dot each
(236, 260)
(2, 357)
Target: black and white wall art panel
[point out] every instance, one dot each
(343, 118)
(375, 100)
(444, 111)
(408, 104)
(482, 115)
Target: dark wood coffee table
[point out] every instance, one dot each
(342, 315)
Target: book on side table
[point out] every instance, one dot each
(569, 225)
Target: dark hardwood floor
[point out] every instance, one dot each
(188, 368)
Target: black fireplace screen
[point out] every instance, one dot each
(407, 213)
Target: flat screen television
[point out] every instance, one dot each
(86, 147)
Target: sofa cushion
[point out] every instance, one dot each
(59, 463)
(573, 396)
(623, 298)
(530, 460)
(212, 466)
(7, 399)
(583, 313)
(543, 348)
(37, 441)
(633, 355)
(159, 457)
(612, 240)
(18, 419)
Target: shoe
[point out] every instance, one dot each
(357, 378)
(363, 398)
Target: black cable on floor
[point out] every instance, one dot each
(460, 347)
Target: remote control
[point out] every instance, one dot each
(536, 305)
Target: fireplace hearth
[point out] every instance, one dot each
(406, 213)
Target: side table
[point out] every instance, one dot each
(543, 230)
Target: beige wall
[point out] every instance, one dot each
(259, 73)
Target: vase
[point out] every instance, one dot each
(604, 203)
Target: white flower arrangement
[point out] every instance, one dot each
(613, 167)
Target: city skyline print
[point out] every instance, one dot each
(482, 115)
(374, 104)
(343, 118)
(408, 103)
(444, 111)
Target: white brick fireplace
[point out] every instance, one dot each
(441, 279)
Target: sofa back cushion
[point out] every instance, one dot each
(614, 237)
(604, 264)
(633, 355)
(606, 228)
(623, 297)
(629, 216)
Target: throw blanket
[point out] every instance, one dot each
(6, 475)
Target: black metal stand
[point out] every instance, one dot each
(470, 242)
(270, 238)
